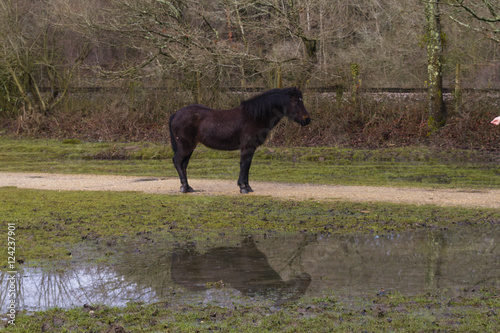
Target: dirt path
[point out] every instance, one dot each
(441, 197)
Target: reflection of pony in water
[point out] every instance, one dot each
(245, 128)
(243, 268)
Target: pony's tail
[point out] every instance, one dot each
(172, 139)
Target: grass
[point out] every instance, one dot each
(413, 166)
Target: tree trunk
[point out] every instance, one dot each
(436, 107)
(458, 88)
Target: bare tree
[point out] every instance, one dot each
(31, 57)
(204, 43)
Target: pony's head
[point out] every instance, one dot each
(295, 109)
(278, 103)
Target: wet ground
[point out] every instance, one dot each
(267, 268)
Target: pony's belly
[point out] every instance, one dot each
(221, 145)
(220, 139)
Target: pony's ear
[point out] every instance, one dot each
(295, 91)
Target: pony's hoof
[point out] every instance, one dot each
(186, 189)
(245, 190)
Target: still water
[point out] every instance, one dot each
(267, 268)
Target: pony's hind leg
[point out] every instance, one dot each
(183, 144)
(181, 161)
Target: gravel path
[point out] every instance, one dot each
(441, 197)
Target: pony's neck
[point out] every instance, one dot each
(272, 118)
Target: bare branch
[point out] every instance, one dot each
(482, 16)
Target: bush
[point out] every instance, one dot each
(370, 120)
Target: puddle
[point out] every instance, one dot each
(271, 269)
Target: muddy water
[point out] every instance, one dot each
(267, 268)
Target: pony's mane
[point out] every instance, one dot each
(262, 106)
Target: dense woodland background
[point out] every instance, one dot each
(115, 70)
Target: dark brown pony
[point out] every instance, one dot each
(245, 127)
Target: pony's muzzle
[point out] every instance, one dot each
(305, 121)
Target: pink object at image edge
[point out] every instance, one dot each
(496, 121)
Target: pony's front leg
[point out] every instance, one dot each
(245, 162)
